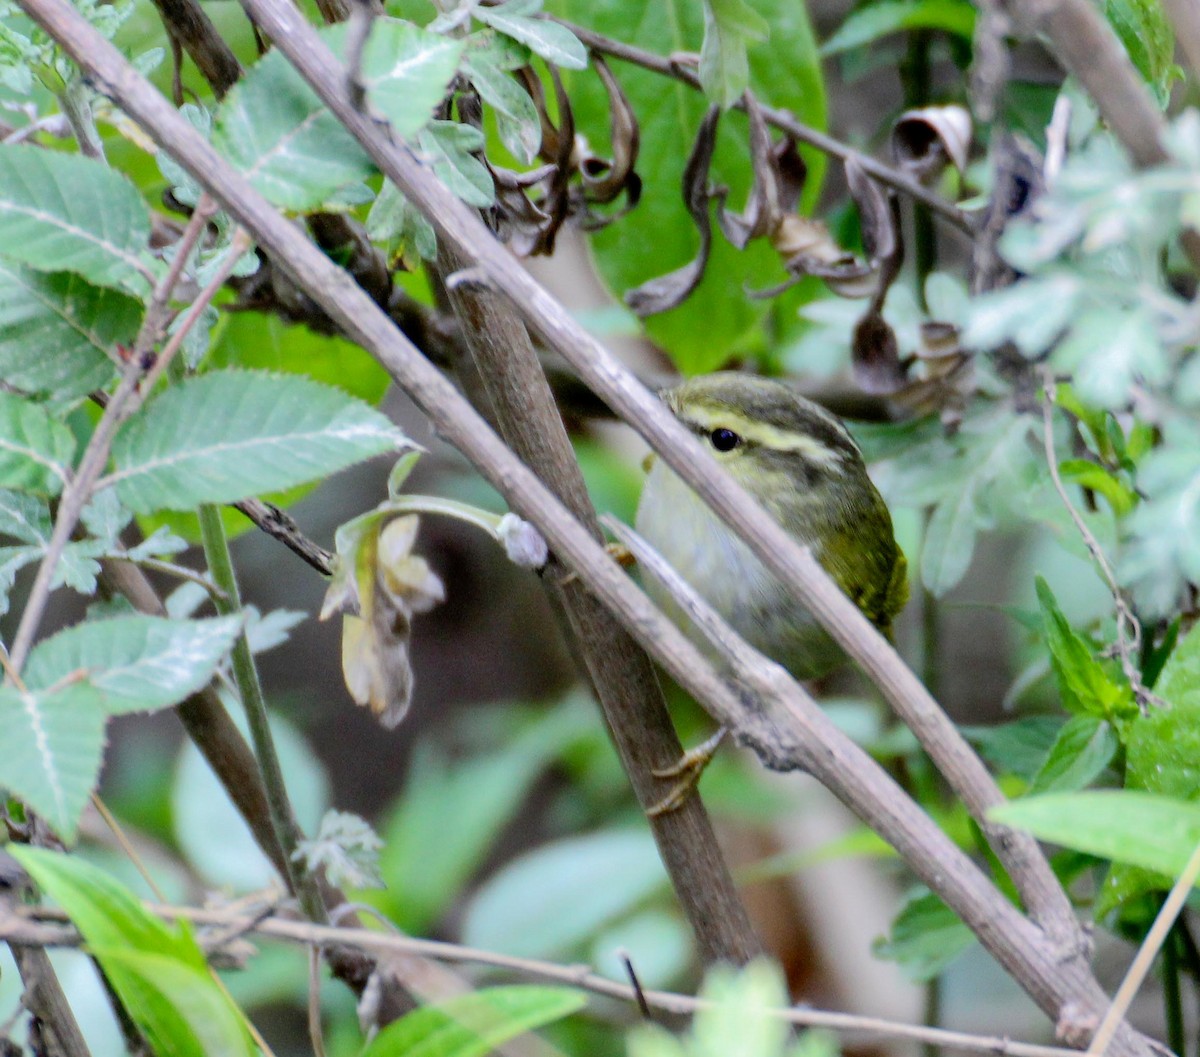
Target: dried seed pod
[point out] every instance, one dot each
(924, 140)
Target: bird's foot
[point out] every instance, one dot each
(687, 771)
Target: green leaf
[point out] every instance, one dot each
(554, 43)
(724, 65)
(1092, 475)
(35, 450)
(406, 71)
(159, 972)
(230, 434)
(274, 128)
(517, 119)
(1084, 747)
(1146, 33)
(106, 913)
(445, 824)
(56, 331)
(549, 901)
(1083, 683)
(869, 23)
(449, 147)
(180, 1009)
(472, 1025)
(1019, 747)
(1155, 832)
(718, 320)
(66, 213)
(139, 663)
(949, 541)
(50, 752)
(926, 937)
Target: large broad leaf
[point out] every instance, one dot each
(159, 972)
(548, 902)
(50, 751)
(35, 449)
(1155, 832)
(659, 235)
(65, 213)
(275, 129)
(56, 331)
(138, 663)
(472, 1025)
(1146, 32)
(231, 434)
(869, 23)
(554, 43)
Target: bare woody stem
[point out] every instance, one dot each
(1058, 979)
(462, 232)
(621, 674)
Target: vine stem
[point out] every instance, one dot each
(245, 674)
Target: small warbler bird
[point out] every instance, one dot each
(800, 462)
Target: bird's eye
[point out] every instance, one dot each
(724, 439)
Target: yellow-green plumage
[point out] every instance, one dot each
(799, 461)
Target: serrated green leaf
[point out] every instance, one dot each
(25, 517)
(449, 147)
(35, 449)
(925, 937)
(472, 1025)
(1083, 748)
(66, 213)
(406, 71)
(1155, 832)
(718, 320)
(274, 128)
(554, 43)
(56, 331)
(139, 663)
(50, 752)
(872, 22)
(230, 434)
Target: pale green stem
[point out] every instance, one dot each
(245, 674)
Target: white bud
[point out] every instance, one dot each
(522, 542)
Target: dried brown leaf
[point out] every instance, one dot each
(924, 140)
(666, 291)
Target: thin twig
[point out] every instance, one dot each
(782, 120)
(25, 926)
(178, 572)
(1128, 990)
(315, 1035)
(1129, 629)
(79, 489)
(280, 525)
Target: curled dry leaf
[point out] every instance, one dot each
(380, 585)
(605, 179)
(764, 210)
(924, 140)
(667, 291)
